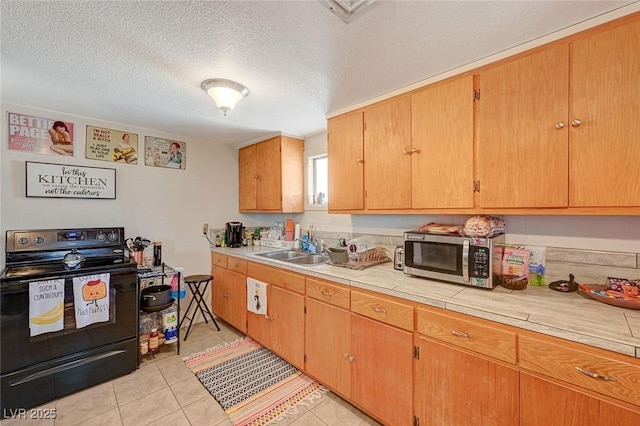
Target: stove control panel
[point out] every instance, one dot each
(60, 239)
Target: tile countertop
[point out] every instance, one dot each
(540, 309)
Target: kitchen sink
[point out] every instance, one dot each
(310, 259)
(284, 254)
(298, 257)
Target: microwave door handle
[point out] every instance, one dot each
(465, 261)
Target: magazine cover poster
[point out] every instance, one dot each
(112, 145)
(38, 134)
(159, 152)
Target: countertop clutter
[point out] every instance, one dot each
(565, 315)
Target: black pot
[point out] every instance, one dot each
(155, 296)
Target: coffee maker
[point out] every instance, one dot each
(234, 234)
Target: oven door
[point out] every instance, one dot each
(445, 259)
(20, 350)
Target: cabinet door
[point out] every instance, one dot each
(546, 403)
(269, 181)
(456, 388)
(387, 168)
(345, 151)
(287, 313)
(292, 175)
(522, 135)
(247, 178)
(381, 380)
(604, 150)
(442, 132)
(220, 293)
(259, 326)
(237, 291)
(328, 352)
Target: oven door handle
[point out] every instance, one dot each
(66, 366)
(465, 260)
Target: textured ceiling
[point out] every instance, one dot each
(141, 63)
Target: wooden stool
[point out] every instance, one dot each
(198, 285)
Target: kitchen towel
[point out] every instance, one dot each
(256, 296)
(91, 299)
(46, 306)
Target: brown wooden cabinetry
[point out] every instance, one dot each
(271, 176)
(522, 132)
(387, 159)
(460, 374)
(229, 292)
(345, 150)
(442, 145)
(282, 328)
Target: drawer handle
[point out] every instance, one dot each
(268, 318)
(379, 310)
(326, 293)
(225, 296)
(595, 375)
(460, 334)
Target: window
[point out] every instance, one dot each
(318, 190)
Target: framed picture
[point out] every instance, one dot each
(69, 181)
(159, 152)
(40, 135)
(111, 145)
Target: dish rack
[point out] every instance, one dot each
(365, 259)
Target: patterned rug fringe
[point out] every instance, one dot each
(305, 402)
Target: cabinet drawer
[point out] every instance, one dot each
(218, 259)
(267, 274)
(383, 310)
(237, 264)
(495, 343)
(615, 376)
(329, 293)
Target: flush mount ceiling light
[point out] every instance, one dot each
(347, 10)
(225, 93)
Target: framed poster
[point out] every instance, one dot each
(159, 152)
(112, 145)
(69, 181)
(40, 135)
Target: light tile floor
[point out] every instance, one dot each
(163, 391)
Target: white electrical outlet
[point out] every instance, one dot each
(205, 228)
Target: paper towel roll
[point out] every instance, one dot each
(296, 236)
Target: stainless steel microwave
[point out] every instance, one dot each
(462, 260)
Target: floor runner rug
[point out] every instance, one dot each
(253, 385)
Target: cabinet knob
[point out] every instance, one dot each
(351, 358)
(576, 122)
(345, 356)
(359, 160)
(410, 151)
(255, 176)
(560, 125)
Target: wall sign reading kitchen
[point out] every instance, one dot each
(69, 181)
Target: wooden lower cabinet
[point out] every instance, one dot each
(282, 329)
(545, 403)
(453, 387)
(229, 297)
(328, 345)
(381, 373)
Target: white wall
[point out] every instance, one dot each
(161, 204)
(608, 233)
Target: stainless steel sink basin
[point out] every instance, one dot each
(310, 259)
(298, 257)
(284, 254)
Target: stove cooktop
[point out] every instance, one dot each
(57, 268)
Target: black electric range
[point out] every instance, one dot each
(46, 356)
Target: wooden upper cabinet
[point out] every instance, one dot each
(387, 143)
(604, 153)
(442, 134)
(522, 131)
(271, 176)
(345, 151)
